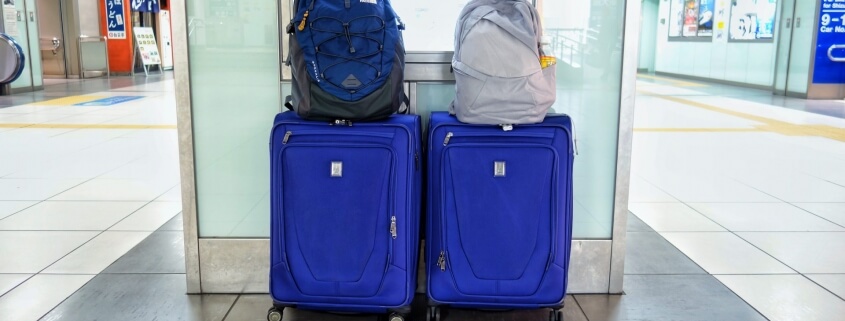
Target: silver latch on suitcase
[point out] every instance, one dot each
(337, 169)
(499, 169)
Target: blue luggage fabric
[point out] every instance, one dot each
(345, 213)
(347, 59)
(499, 210)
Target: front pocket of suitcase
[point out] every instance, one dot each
(337, 204)
(498, 216)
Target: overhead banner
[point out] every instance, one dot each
(830, 44)
(115, 21)
(146, 6)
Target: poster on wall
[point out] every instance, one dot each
(676, 18)
(690, 18)
(706, 15)
(753, 20)
(10, 18)
(145, 41)
(116, 24)
(830, 50)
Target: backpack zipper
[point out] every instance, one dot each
(305, 17)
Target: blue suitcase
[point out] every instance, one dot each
(499, 212)
(345, 214)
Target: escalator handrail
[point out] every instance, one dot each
(21, 58)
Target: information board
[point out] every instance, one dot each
(145, 41)
(830, 43)
(10, 18)
(116, 22)
(753, 20)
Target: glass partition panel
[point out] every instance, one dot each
(430, 24)
(234, 61)
(587, 41)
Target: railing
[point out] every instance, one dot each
(568, 45)
(81, 56)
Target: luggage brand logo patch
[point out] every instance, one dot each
(370, 1)
(351, 82)
(337, 169)
(499, 169)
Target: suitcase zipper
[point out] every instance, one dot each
(393, 232)
(451, 135)
(441, 261)
(289, 134)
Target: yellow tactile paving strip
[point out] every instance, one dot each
(674, 82)
(767, 124)
(67, 101)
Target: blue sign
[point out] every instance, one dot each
(109, 101)
(115, 21)
(830, 44)
(145, 6)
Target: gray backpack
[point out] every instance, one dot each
(499, 79)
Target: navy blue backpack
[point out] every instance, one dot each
(347, 59)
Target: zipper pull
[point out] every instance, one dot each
(393, 231)
(441, 261)
(448, 137)
(287, 136)
(417, 161)
(302, 24)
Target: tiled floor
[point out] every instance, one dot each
(738, 215)
(749, 188)
(80, 187)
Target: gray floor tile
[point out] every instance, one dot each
(161, 252)
(808, 252)
(42, 249)
(650, 253)
(669, 297)
(250, 307)
(725, 253)
(10, 281)
(140, 297)
(175, 224)
(786, 297)
(635, 224)
(764, 217)
(35, 297)
(832, 282)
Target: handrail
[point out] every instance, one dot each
(79, 42)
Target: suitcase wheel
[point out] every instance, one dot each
(274, 314)
(396, 317)
(435, 314)
(556, 315)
